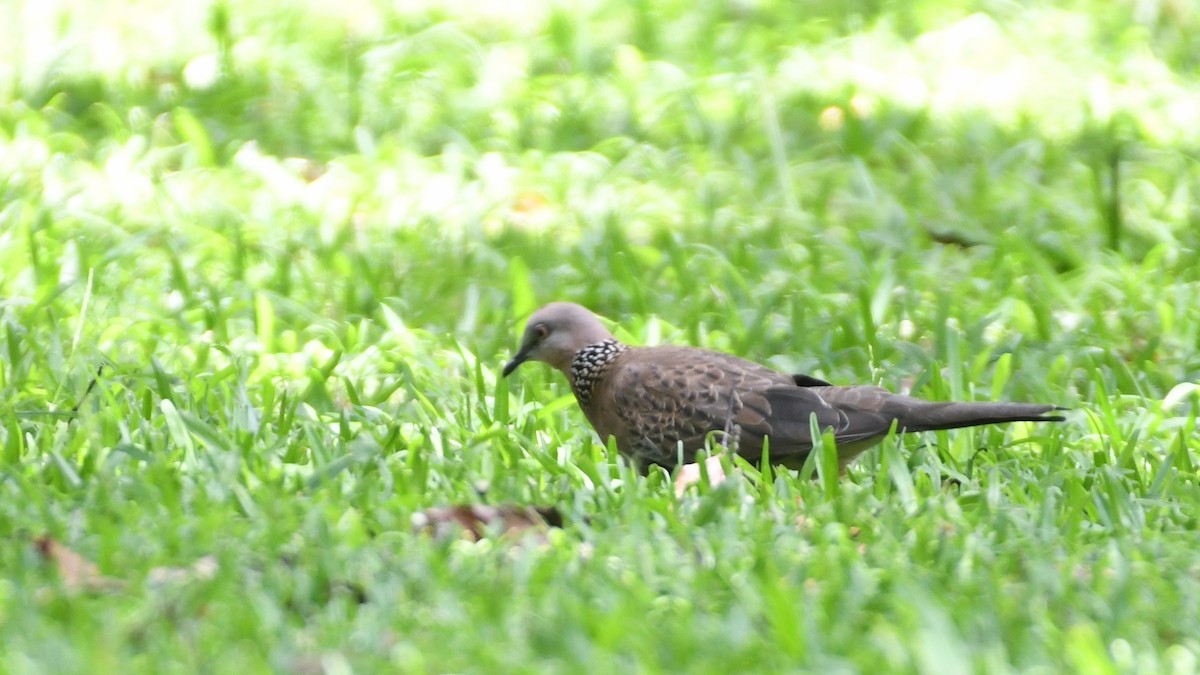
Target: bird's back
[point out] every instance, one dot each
(655, 400)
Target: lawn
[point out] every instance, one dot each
(261, 264)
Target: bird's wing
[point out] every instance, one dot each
(803, 380)
(858, 413)
(680, 396)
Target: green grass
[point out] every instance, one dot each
(297, 243)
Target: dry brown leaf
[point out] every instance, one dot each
(77, 573)
(476, 521)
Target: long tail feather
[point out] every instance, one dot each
(916, 415)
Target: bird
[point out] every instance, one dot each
(661, 403)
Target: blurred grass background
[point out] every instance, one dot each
(297, 240)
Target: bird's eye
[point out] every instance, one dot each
(542, 331)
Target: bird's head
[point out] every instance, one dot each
(555, 334)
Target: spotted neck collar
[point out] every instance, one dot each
(590, 364)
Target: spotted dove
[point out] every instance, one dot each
(659, 401)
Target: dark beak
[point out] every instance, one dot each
(521, 357)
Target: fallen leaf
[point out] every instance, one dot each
(76, 572)
(476, 521)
